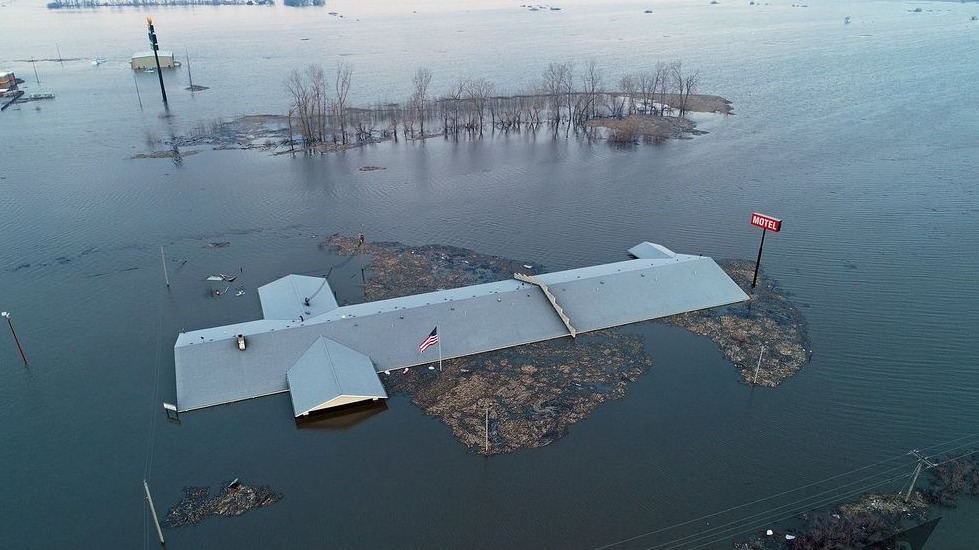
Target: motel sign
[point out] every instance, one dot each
(767, 223)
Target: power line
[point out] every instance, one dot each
(732, 531)
(744, 528)
(932, 449)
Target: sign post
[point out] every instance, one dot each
(156, 55)
(766, 223)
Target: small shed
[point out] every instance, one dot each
(145, 60)
(330, 375)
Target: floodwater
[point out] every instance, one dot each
(861, 137)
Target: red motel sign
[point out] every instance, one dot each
(766, 222)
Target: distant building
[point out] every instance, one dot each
(144, 60)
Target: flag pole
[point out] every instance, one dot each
(440, 352)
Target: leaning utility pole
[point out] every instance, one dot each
(156, 56)
(922, 460)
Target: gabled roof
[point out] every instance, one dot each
(149, 53)
(285, 298)
(211, 370)
(330, 374)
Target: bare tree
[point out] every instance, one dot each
(668, 80)
(592, 81)
(308, 101)
(421, 80)
(628, 85)
(646, 86)
(683, 84)
(342, 86)
(556, 80)
(478, 92)
(690, 84)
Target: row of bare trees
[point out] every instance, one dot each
(562, 97)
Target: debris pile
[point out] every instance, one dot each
(768, 320)
(953, 477)
(531, 393)
(235, 499)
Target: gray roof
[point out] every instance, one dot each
(651, 251)
(330, 374)
(285, 298)
(149, 53)
(210, 370)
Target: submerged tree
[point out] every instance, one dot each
(421, 81)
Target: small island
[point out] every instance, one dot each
(530, 395)
(647, 106)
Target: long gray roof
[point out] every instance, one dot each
(210, 370)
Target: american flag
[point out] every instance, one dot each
(430, 341)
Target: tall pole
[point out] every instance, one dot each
(486, 443)
(156, 521)
(922, 461)
(163, 258)
(6, 315)
(758, 261)
(35, 71)
(440, 354)
(156, 56)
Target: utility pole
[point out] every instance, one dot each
(922, 460)
(156, 56)
(6, 316)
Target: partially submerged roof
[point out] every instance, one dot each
(149, 53)
(651, 251)
(329, 375)
(286, 298)
(474, 319)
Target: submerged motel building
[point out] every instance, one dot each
(327, 356)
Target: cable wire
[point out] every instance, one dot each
(932, 449)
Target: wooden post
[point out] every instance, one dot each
(156, 521)
(758, 366)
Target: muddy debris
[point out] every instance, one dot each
(531, 393)
(535, 392)
(768, 319)
(234, 500)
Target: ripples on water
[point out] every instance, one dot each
(860, 137)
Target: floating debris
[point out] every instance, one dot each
(235, 499)
(219, 244)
